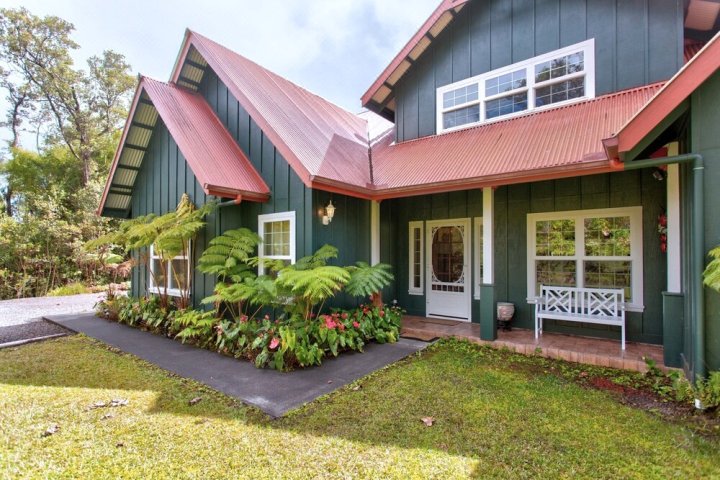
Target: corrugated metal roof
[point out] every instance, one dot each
(558, 142)
(319, 139)
(217, 161)
(213, 155)
(380, 94)
(700, 67)
(691, 49)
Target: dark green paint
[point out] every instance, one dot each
(637, 42)
(673, 321)
(165, 176)
(705, 140)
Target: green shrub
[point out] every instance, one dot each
(75, 288)
(708, 391)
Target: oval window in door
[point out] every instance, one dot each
(448, 255)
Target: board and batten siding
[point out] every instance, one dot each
(637, 42)
(512, 205)
(625, 189)
(395, 215)
(165, 176)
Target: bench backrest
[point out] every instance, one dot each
(601, 302)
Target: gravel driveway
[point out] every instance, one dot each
(26, 310)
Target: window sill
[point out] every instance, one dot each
(410, 292)
(172, 292)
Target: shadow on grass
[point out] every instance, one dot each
(486, 413)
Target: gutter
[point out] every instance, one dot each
(698, 241)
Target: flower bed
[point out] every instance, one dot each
(282, 343)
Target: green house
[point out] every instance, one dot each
(508, 145)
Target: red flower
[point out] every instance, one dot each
(329, 322)
(344, 316)
(356, 324)
(382, 313)
(244, 318)
(274, 343)
(341, 326)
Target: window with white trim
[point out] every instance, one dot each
(415, 259)
(277, 231)
(555, 78)
(478, 255)
(587, 248)
(171, 276)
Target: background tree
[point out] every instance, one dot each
(84, 106)
(49, 195)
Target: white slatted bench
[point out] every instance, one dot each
(604, 306)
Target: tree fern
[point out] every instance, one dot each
(229, 253)
(711, 276)
(317, 259)
(314, 285)
(366, 280)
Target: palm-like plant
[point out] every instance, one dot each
(368, 281)
(711, 276)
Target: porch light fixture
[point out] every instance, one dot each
(659, 174)
(329, 213)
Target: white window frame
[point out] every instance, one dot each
(478, 255)
(412, 290)
(579, 216)
(270, 218)
(588, 49)
(160, 290)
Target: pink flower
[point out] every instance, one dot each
(344, 316)
(267, 317)
(329, 322)
(382, 313)
(274, 343)
(341, 326)
(356, 324)
(244, 318)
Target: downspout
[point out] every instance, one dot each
(698, 241)
(234, 201)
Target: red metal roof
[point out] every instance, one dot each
(437, 21)
(691, 48)
(322, 142)
(560, 142)
(213, 155)
(217, 161)
(676, 90)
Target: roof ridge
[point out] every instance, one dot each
(273, 74)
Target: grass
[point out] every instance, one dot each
(493, 419)
(75, 288)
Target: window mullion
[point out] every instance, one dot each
(530, 76)
(580, 250)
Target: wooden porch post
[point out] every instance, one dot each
(488, 320)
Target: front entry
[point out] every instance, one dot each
(448, 269)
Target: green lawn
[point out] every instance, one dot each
(493, 419)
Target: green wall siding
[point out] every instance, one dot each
(395, 216)
(165, 176)
(155, 192)
(636, 42)
(705, 140)
(512, 205)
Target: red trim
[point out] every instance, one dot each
(444, 6)
(238, 194)
(675, 91)
(275, 138)
(118, 151)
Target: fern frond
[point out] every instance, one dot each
(365, 280)
(711, 275)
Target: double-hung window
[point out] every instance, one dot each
(171, 276)
(587, 248)
(554, 78)
(277, 231)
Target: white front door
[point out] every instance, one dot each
(448, 269)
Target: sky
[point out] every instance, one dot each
(334, 48)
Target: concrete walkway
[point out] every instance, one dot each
(273, 392)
